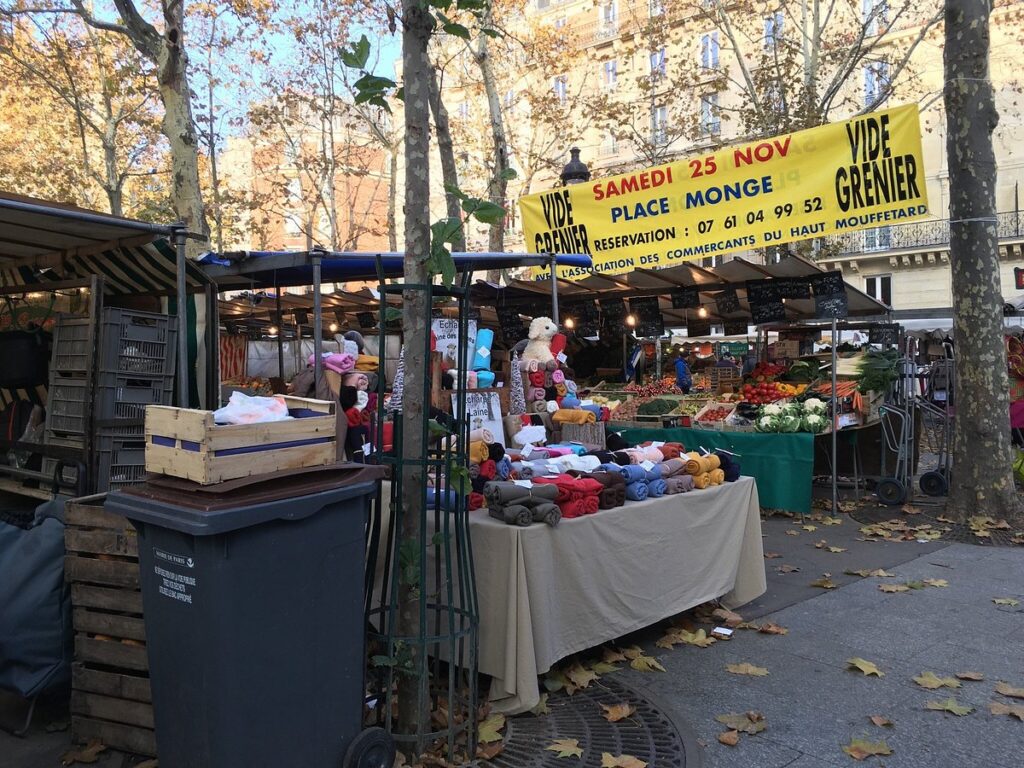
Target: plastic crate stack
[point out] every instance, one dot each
(135, 368)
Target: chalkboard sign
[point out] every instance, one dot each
(696, 327)
(649, 320)
(793, 287)
(763, 292)
(727, 302)
(831, 306)
(613, 312)
(366, 319)
(586, 317)
(772, 311)
(511, 325)
(828, 284)
(735, 327)
(888, 334)
(685, 298)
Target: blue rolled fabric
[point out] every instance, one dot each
(730, 466)
(654, 474)
(504, 467)
(448, 502)
(594, 409)
(482, 357)
(570, 401)
(633, 473)
(637, 491)
(485, 379)
(579, 450)
(657, 487)
(610, 467)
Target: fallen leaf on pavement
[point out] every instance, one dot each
(970, 676)
(565, 748)
(673, 636)
(865, 666)
(820, 544)
(860, 749)
(646, 664)
(615, 712)
(612, 655)
(936, 582)
(771, 555)
(603, 668)
(836, 550)
(541, 707)
(555, 680)
(487, 751)
(950, 705)
(769, 628)
(1009, 690)
(791, 532)
(489, 729)
(90, 753)
(809, 528)
(746, 668)
(1014, 710)
(825, 582)
(747, 722)
(787, 569)
(931, 681)
(729, 738)
(881, 722)
(916, 584)
(727, 617)
(579, 677)
(944, 519)
(608, 760)
(894, 587)
(1005, 601)
(831, 521)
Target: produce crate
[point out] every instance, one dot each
(186, 443)
(717, 426)
(110, 697)
(726, 376)
(117, 397)
(121, 461)
(71, 348)
(137, 343)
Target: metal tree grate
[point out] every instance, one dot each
(649, 735)
(951, 532)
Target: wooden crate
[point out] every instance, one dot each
(110, 698)
(591, 434)
(184, 442)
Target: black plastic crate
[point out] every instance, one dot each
(134, 343)
(121, 461)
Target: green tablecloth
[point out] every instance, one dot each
(782, 463)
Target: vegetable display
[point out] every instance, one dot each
(810, 416)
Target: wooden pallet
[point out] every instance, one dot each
(110, 698)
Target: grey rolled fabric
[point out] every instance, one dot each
(513, 514)
(679, 484)
(538, 406)
(671, 467)
(502, 493)
(523, 469)
(547, 513)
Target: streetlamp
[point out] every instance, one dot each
(575, 171)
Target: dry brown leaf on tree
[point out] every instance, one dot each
(1001, 708)
(565, 748)
(746, 668)
(90, 753)
(490, 729)
(615, 712)
(861, 749)
(747, 722)
(1008, 690)
(950, 705)
(865, 666)
(729, 738)
(644, 663)
(881, 721)
(970, 676)
(1005, 601)
(931, 681)
(608, 760)
(825, 582)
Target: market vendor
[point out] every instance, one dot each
(683, 378)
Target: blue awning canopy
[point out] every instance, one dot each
(264, 269)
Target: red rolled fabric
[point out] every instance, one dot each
(475, 501)
(571, 509)
(488, 469)
(354, 417)
(590, 504)
(537, 379)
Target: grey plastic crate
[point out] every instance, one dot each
(121, 462)
(70, 346)
(133, 343)
(117, 397)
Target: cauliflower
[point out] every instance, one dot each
(789, 423)
(814, 405)
(773, 409)
(814, 422)
(765, 424)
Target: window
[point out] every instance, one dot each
(609, 147)
(560, 85)
(560, 22)
(773, 30)
(876, 83)
(294, 190)
(543, 5)
(876, 16)
(879, 288)
(710, 119)
(709, 262)
(878, 238)
(656, 7)
(659, 125)
(609, 14)
(709, 50)
(293, 224)
(658, 64)
(609, 74)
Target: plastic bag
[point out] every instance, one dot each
(246, 409)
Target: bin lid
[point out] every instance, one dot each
(207, 510)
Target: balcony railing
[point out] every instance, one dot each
(921, 234)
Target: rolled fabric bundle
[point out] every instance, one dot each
(482, 435)
(652, 474)
(471, 382)
(488, 469)
(546, 513)
(569, 416)
(695, 464)
(495, 451)
(591, 504)
(713, 462)
(653, 454)
(534, 433)
(371, 404)
(475, 501)
(633, 473)
(594, 409)
(500, 494)
(679, 484)
(474, 471)
(580, 463)
(561, 390)
(539, 457)
(448, 500)
(576, 448)
(358, 380)
(621, 458)
(605, 457)
(656, 487)
(535, 394)
(608, 479)
(637, 491)
(672, 467)
(538, 406)
(551, 365)
(362, 399)
(354, 416)
(536, 379)
(482, 356)
(717, 476)
(557, 450)
(672, 450)
(730, 466)
(367, 362)
(570, 401)
(339, 362)
(550, 393)
(504, 467)
(551, 406)
(522, 470)
(513, 514)
(615, 442)
(701, 481)
(571, 386)
(485, 379)
(478, 453)
(611, 466)
(478, 483)
(548, 381)
(558, 377)
(610, 498)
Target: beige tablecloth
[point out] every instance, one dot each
(547, 593)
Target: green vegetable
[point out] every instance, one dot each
(878, 370)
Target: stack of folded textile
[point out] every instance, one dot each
(577, 496)
(517, 505)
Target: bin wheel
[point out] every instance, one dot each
(891, 491)
(372, 748)
(934, 483)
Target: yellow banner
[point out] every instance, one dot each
(841, 177)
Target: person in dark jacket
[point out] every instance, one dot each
(683, 379)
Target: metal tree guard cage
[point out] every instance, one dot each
(439, 564)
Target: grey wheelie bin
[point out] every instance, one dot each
(253, 599)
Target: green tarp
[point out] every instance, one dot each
(782, 464)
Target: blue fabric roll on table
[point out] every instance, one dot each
(637, 491)
(482, 357)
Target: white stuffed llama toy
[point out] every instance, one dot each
(542, 330)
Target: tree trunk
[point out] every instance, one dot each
(446, 150)
(112, 180)
(497, 187)
(412, 692)
(982, 480)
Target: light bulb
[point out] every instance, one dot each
(333, 327)
(630, 320)
(272, 330)
(702, 312)
(570, 323)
